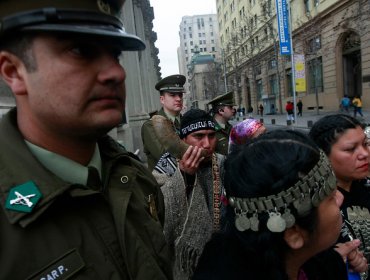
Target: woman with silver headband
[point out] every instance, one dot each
(343, 140)
(283, 210)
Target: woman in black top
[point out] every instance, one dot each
(343, 140)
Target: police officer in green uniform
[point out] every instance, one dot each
(171, 90)
(223, 110)
(74, 203)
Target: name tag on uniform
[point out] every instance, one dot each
(62, 268)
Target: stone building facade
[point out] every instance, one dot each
(330, 39)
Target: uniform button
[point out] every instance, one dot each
(124, 179)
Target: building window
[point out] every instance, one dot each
(306, 6)
(189, 28)
(273, 84)
(272, 64)
(315, 75)
(289, 83)
(184, 36)
(205, 49)
(316, 2)
(190, 35)
(242, 12)
(259, 89)
(314, 44)
(191, 43)
(258, 69)
(213, 49)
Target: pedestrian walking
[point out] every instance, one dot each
(250, 111)
(260, 108)
(289, 107)
(357, 106)
(300, 107)
(345, 103)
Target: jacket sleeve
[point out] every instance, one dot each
(173, 190)
(150, 140)
(326, 265)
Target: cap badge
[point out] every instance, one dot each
(103, 7)
(23, 198)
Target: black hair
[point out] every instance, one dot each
(327, 130)
(269, 164)
(20, 45)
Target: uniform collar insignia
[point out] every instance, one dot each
(23, 198)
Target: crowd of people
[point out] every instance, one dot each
(215, 201)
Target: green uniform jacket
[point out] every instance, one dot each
(222, 136)
(75, 232)
(152, 147)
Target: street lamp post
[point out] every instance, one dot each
(316, 65)
(316, 90)
(224, 68)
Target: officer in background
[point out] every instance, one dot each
(223, 110)
(75, 204)
(171, 90)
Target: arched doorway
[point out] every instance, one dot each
(351, 63)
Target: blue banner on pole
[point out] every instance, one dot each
(283, 27)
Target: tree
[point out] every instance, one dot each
(251, 44)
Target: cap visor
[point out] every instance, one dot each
(128, 42)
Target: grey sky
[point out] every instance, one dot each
(167, 19)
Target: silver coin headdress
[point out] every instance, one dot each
(307, 193)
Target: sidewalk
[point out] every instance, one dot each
(307, 119)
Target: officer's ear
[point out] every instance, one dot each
(12, 71)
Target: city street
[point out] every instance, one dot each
(302, 123)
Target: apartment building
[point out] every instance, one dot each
(331, 46)
(199, 37)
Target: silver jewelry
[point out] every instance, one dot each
(242, 223)
(303, 205)
(254, 222)
(276, 223)
(305, 194)
(289, 218)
